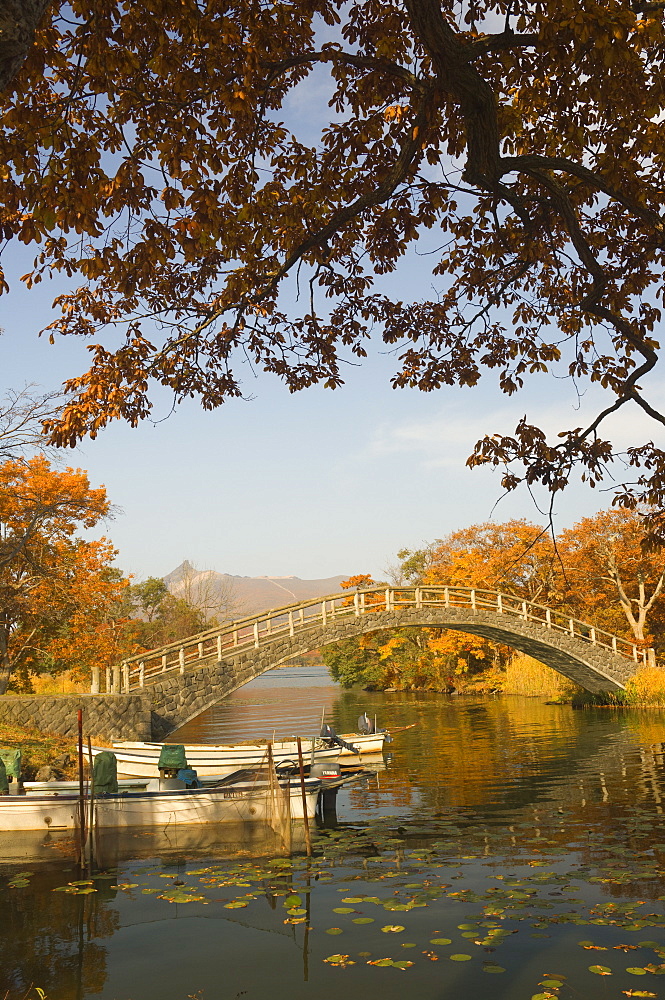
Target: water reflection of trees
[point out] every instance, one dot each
(52, 939)
(498, 755)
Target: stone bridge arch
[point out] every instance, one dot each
(184, 679)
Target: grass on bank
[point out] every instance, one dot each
(37, 748)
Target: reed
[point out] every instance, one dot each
(646, 687)
(529, 677)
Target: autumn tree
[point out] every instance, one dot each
(610, 578)
(516, 557)
(81, 618)
(48, 576)
(150, 156)
(161, 617)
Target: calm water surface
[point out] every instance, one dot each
(490, 840)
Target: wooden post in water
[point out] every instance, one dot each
(81, 791)
(91, 815)
(308, 839)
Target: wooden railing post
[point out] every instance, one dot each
(108, 679)
(548, 617)
(256, 635)
(219, 647)
(473, 600)
(141, 674)
(446, 597)
(94, 680)
(356, 604)
(419, 597)
(181, 659)
(499, 603)
(324, 620)
(125, 677)
(592, 635)
(291, 629)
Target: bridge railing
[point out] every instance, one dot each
(256, 630)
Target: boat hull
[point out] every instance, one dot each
(140, 759)
(241, 802)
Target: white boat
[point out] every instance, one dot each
(231, 802)
(140, 759)
(58, 787)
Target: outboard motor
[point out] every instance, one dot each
(368, 728)
(171, 760)
(326, 772)
(105, 773)
(333, 740)
(365, 725)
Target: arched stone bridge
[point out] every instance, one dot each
(185, 678)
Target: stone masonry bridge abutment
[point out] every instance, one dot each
(184, 679)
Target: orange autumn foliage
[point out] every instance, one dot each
(59, 594)
(149, 153)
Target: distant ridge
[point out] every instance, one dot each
(225, 596)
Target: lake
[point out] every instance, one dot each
(503, 847)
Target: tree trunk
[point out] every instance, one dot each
(18, 23)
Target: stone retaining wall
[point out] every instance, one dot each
(105, 716)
